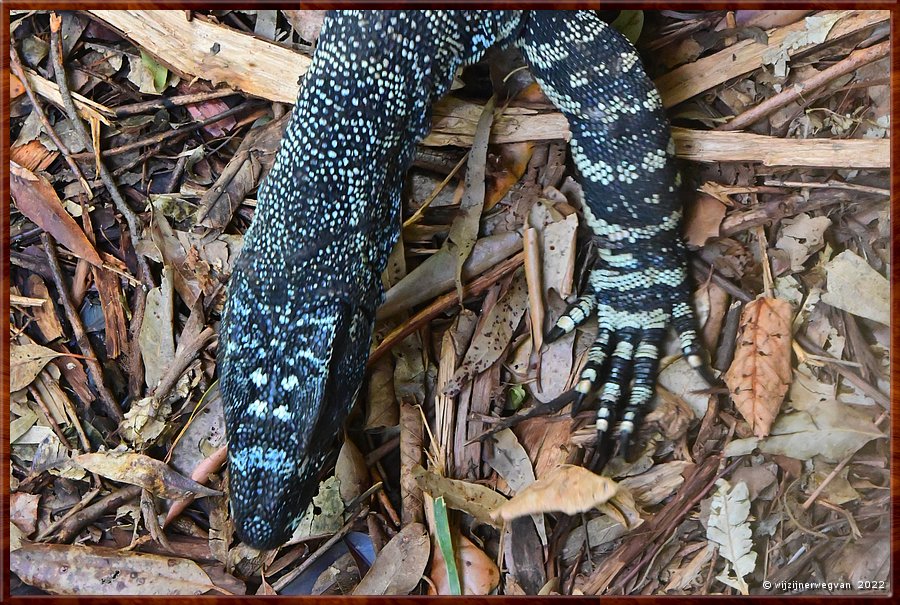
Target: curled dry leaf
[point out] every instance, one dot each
(95, 570)
(400, 564)
(479, 575)
(570, 489)
(149, 473)
(760, 374)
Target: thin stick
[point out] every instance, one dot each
(418, 213)
(84, 344)
(59, 74)
(831, 185)
(72, 511)
(16, 65)
(170, 102)
(181, 362)
(443, 303)
(289, 577)
(110, 502)
(168, 134)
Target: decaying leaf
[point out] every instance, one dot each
(511, 462)
(400, 564)
(477, 500)
(815, 32)
(156, 338)
(658, 483)
(569, 489)
(351, 471)
(855, 287)
(681, 578)
(760, 374)
(26, 362)
(492, 339)
(23, 511)
(464, 230)
(149, 473)
(324, 515)
(832, 430)
(703, 218)
(36, 199)
(95, 570)
(729, 528)
(144, 421)
(801, 236)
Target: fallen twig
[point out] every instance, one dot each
(16, 66)
(443, 303)
(60, 74)
(852, 62)
(84, 344)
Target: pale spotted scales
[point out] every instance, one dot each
(299, 316)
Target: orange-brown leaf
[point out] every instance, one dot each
(15, 87)
(703, 218)
(760, 374)
(36, 199)
(478, 573)
(569, 489)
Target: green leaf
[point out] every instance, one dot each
(445, 542)
(630, 24)
(516, 396)
(160, 73)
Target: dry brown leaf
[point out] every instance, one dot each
(493, 335)
(478, 574)
(26, 362)
(400, 564)
(760, 374)
(149, 473)
(855, 287)
(156, 337)
(23, 511)
(307, 23)
(658, 483)
(506, 168)
(351, 471)
(36, 199)
(464, 229)
(703, 219)
(15, 87)
(477, 500)
(94, 570)
(570, 489)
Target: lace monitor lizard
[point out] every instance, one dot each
(302, 299)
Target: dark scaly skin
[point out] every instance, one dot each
(299, 317)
